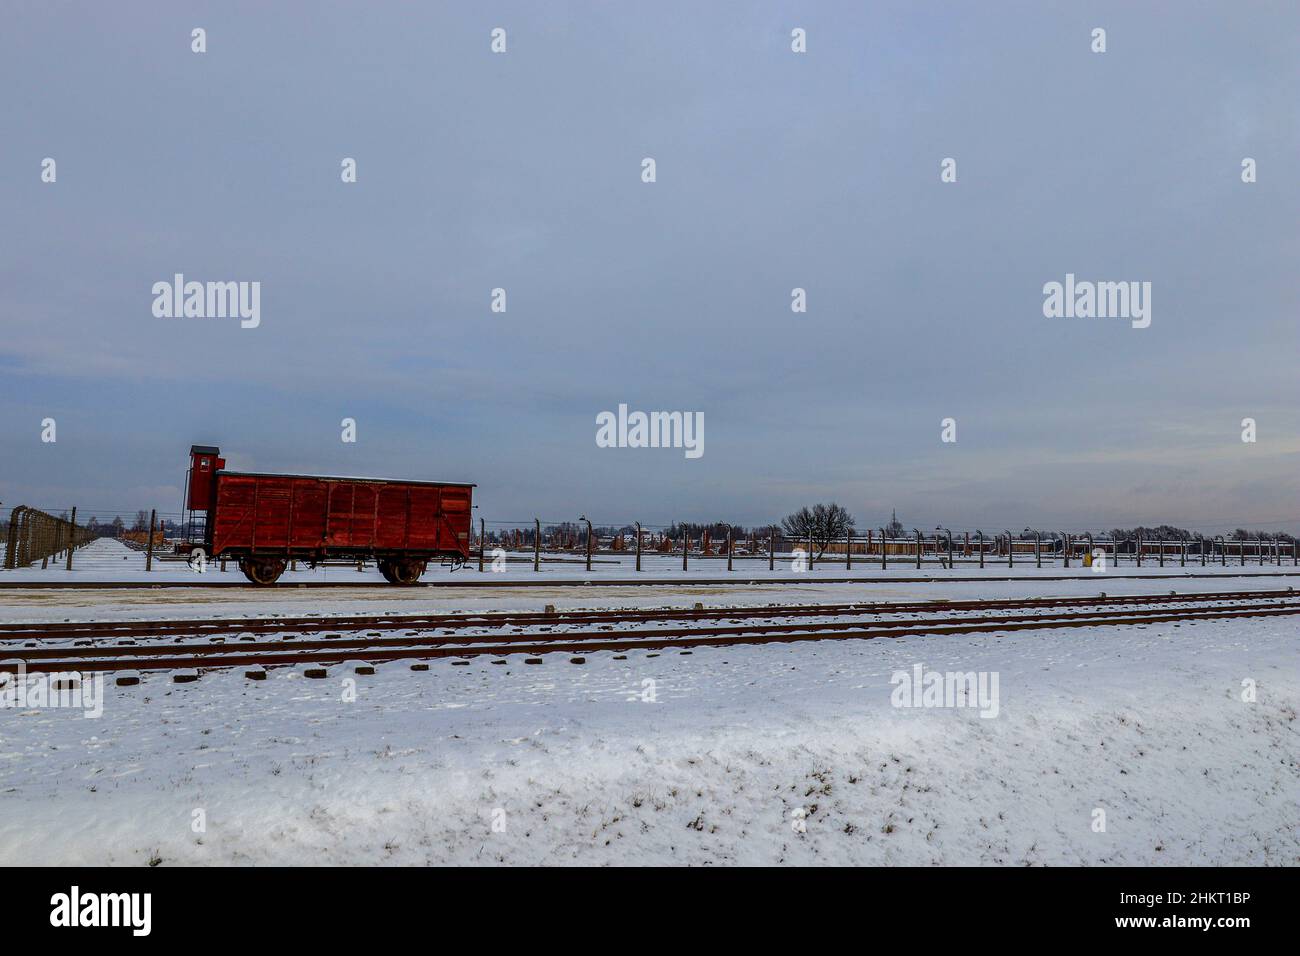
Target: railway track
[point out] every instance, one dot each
(175, 645)
(208, 627)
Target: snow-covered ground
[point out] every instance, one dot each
(771, 754)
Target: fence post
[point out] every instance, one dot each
(590, 534)
(74, 539)
(729, 543)
(884, 551)
(1138, 549)
(918, 547)
(1038, 548)
(810, 547)
(482, 542)
(771, 550)
(638, 546)
(537, 544)
(1161, 543)
(11, 547)
(1011, 552)
(148, 552)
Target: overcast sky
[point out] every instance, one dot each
(775, 170)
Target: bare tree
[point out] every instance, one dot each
(822, 523)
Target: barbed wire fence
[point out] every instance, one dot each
(32, 535)
(50, 536)
(585, 542)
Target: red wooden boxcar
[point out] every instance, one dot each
(264, 521)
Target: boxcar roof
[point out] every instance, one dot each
(382, 481)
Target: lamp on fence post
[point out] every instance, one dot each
(537, 544)
(148, 551)
(589, 537)
(638, 546)
(980, 535)
(1065, 549)
(938, 528)
(68, 567)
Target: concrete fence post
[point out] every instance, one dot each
(148, 551)
(73, 521)
(11, 544)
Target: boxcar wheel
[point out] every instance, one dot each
(405, 572)
(262, 570)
